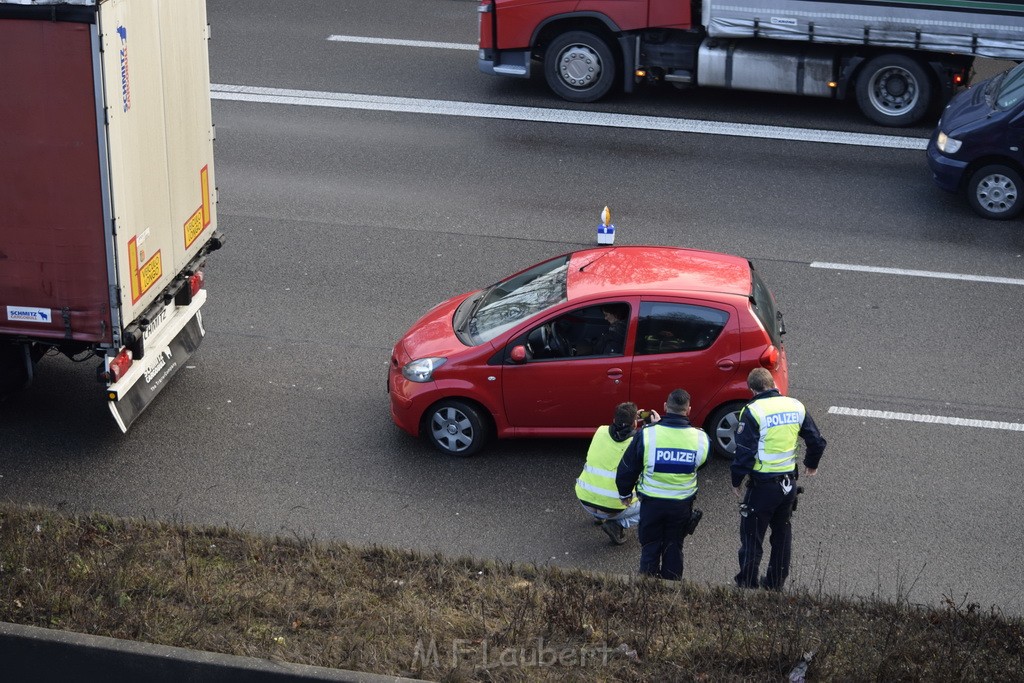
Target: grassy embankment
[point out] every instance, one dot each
(416, 615)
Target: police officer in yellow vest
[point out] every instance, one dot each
(661, 463)
(766, 440)
(595, 486)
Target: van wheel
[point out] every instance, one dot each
(579, 66)
(994, 192)
(721, 428)
(894, 90)
(456, 428)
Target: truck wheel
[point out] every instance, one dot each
(721, 428)
(16, 361)
(579, 66)
(456, 428)
(994, 192)
(894, 90)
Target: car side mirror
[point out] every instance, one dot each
(518, 354)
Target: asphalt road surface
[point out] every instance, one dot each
(358, 199)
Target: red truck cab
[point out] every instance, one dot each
(582, 41)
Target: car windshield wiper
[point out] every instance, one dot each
(992, 91)
(477, 303)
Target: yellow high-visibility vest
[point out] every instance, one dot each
(671, 458)
(779, 419)
(596, 483)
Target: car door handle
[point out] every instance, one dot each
(615, 373)
(726, 364)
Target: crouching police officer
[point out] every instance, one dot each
(661, 463)
(766, 455)
(595, 487)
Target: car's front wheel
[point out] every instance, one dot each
(457, 428)
(994, 192)
(721, 428)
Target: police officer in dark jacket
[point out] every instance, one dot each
(661, 464)
(766, 440)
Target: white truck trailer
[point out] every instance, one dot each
(107, 190)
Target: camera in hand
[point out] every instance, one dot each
(644, 416)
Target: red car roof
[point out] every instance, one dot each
(638, 269)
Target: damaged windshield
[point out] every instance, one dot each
(512, 301)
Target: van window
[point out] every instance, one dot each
(1011, 89)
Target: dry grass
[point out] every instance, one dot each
(401, 613)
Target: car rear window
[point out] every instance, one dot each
(670, 328)
(763, 303)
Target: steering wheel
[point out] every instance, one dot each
(553, 341)
(545, 338)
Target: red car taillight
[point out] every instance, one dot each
(770, 358)
(120, 365)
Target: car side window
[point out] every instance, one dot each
(583, 332)
(672, 328)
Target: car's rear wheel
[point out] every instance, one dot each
(721, 428)
(994, 192)
(457, 428)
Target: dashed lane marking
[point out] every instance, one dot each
(928, 419)
(919, 273)
(367, 40)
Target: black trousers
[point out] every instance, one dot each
(662, 528)
(767, 506)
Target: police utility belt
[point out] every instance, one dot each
(754, 482)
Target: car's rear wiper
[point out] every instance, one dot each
(594, 260)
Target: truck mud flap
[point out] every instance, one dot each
(165, 355)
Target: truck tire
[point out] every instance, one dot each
(15, 369)
(579, 66)
(894, 90)
(721, 429)
(456, 428)
(993, 191)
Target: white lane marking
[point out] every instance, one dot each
(919, 273)
(403, 43)
(312, 98)
(930, 419)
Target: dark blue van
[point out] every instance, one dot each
(977, 146)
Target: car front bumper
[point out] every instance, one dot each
(947, 173)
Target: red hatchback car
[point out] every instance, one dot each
(550, 351)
